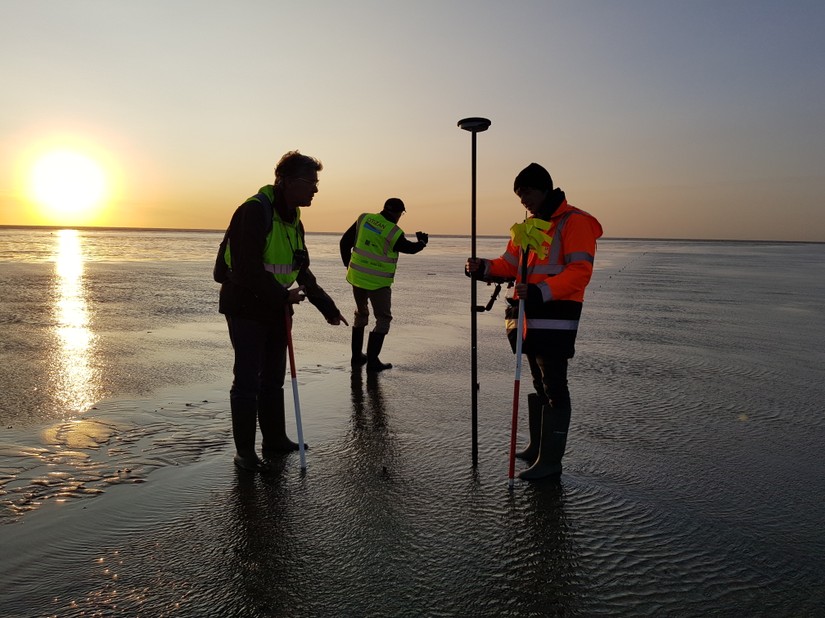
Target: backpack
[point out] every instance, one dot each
(221, 272)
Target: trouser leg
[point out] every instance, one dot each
(247, 338)
(359, 324)
(271, 407)
(362, 307)
(549, 375)
(381, 300)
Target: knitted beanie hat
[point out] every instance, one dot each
(534, 176)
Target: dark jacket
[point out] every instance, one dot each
(251, 291)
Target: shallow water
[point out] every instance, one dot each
(692, 486)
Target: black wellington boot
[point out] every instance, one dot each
(358, 356)
(531, 451)
(272, 419)
(374, 345)
(554, 424)
(243, 432)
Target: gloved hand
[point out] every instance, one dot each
(422, 237)
(531, 293)
(473, 266)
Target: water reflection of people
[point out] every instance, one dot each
(551, 572)
(372, 442)
(259, 540)
(371, 493)
(368, 414)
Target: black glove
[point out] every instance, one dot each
(534, 297)
(477, 274)
(422, 237)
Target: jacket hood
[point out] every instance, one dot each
(552, 210)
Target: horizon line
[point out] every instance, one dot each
(219, 231)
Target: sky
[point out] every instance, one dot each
(664, 119)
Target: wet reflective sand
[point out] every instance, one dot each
(692, 482)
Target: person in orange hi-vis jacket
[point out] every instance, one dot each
(553, 294)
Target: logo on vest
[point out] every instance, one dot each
(374, 226)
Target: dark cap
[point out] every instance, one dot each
(394, 205)
(533, 176)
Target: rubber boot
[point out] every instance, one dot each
(554, 424)
(243, 432)
(531, 451)
(358, 356)
(374, 345)
(272, 420)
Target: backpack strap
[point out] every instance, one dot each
(264, 199)
(221, 272)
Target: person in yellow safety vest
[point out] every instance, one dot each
(553, 294)
(369, 250)
(265, 255)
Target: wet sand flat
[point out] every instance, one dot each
(692, 477)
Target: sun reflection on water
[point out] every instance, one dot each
(75, 382)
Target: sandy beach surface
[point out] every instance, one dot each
(692, 484)
(136, 508)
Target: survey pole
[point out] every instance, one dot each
(474, 126)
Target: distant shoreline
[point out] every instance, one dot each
(211, 231)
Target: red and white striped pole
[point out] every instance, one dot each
(517, 381)
(301, 450)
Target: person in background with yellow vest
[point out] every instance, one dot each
(553, 294)
(265, 256)
(369, 250)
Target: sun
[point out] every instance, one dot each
(68, 185)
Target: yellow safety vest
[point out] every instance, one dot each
(373, 262)
(281, 243)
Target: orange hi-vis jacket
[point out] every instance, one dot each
(552, 320)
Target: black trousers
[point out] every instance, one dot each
(260, 359)
(549, 373)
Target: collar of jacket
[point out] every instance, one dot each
(280, 206)
(554, 199)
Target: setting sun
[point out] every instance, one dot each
(68, 185)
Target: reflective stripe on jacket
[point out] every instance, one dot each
(373, 261)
